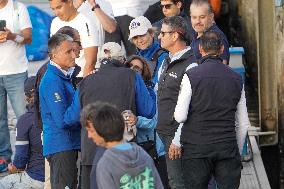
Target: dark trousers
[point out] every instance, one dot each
(85, 176)
(93, 177)
(161, 166)
(63, 169)
(222, 161)
(174, 167)
(121, 34)
(89, 180)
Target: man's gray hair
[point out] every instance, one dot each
(211, 42)
(199, 3)
(56, 40)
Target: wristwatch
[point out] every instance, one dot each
(95, 7)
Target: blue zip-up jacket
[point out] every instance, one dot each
(145, 131)
(148, 55)
(60, 131)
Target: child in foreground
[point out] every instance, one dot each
(123, 165)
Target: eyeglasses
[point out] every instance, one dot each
(162, 33)
(78, 42)
(166, 6)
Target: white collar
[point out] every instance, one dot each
(178, 54)
(59, 67)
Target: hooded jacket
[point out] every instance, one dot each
(128, 166)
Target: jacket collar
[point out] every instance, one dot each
(147, 53)
(57, 71)
(210, 57)
(185, 56)
(111, 63)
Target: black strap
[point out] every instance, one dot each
(155, 58)
(155, 136)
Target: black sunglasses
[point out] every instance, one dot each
(166, 6)
(163, 33)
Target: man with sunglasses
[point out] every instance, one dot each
(175, 8)
(202, 19)
(181, 58)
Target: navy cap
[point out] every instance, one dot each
(29, 84)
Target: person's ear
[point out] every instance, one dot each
(52, 56)
(179, 4)
(221, 50)
(175, 36)
(211, 17)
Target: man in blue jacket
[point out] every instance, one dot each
(61, 137)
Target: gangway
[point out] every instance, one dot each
(253, 174)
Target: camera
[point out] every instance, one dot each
(2, 25)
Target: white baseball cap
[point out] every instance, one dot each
(114, 48)
(139, 26)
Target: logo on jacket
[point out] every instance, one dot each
(57, 97)
(172, 74)
(140, 181)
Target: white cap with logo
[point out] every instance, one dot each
(139, 26)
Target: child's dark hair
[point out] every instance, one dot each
(106, 119)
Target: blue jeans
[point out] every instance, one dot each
(174, 167)
(13, 86)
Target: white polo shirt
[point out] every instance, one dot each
(13, 58)
(88, 34)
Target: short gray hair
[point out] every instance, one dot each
(56, 40)
(198, 3)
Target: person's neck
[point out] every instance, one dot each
(3, 3)
(209, 54)
(113, 143)
(177, 48)
(73, 14)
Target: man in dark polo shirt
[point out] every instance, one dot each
(212, 106)
(202, 19)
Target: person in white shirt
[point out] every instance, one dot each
(100, 13)
(16, 32)
(67, 15)
(212, 106)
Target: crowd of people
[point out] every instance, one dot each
(125, 101)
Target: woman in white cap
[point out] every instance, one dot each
(142, 36)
